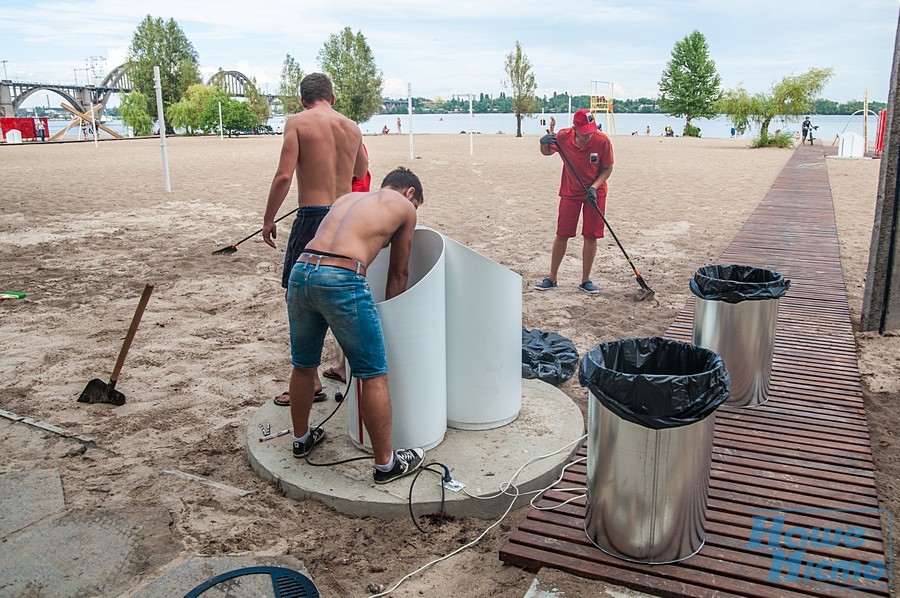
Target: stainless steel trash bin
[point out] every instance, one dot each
(735, 314)
(650, 430)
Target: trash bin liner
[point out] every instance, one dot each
(649, 449)
(655, 382)
(732, 283)
(547, 356)
(735, 315)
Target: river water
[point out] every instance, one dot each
(619, 124)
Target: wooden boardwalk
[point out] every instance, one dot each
(804, 455)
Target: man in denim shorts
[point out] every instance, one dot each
(328, 288)
(325, 150)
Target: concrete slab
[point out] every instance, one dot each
(185, 575)
(86, 552)
(482, 460)
(28, 496)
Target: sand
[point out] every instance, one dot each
(82, 228)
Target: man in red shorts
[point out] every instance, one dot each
(591, 154)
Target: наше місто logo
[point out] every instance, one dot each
(824, 555)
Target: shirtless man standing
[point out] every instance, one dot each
(325, 149)
(328, 288)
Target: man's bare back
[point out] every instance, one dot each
(325, 149)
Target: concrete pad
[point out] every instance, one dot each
(86, 552)
(482, 460)
(187, 574)
(28, 496)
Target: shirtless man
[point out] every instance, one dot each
(325, 149)
(328, 288)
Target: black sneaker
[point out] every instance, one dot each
(301, 449)
(406, 461)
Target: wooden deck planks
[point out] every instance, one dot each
(806, 448)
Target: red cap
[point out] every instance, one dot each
(584, 122)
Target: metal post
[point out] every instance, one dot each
(471, 127)
(409, 109)
(162, 127)
(5, 76)
(221, 137)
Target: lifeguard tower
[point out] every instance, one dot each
(602, 103)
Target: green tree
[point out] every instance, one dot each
(347, 59)
(163, 44)
(689, 85)
(522, 84)
(133, 110)
(187, 113)
(790, 98)
(258, 103)
(289, 86)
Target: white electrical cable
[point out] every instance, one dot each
(504, 490)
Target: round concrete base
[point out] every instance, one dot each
(480, 460)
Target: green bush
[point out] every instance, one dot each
(783, 140)
(691, 131)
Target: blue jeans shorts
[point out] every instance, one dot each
(319, 297)
(305, 226)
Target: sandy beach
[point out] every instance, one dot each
(83, 228)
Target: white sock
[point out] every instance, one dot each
(303, 438)
(387, 467)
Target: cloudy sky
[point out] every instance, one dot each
(444, 48)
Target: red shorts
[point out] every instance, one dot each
(569, 210)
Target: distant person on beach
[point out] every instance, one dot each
(385, 130)
(591, 154)
(328, 287)
(84, 129)
(398, 125)
(39, 127)
(325, 149)
(648, 129)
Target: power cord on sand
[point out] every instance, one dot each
(504, 489)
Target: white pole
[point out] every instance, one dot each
(220, 122)
(162, 128)
(866, 122)
(471, 127)
(569, 113)
(409, 108)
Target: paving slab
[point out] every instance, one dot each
(549, 423)
(86, 552)
(27, 497)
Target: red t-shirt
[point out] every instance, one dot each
(586, 161)
(364, 183)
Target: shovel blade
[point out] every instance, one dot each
(98, 391)
(225, 250)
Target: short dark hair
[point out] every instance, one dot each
(402, 178)
(316, 87)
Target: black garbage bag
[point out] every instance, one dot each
(548, 356)
(733, 284)
(656, 382)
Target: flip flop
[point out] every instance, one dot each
(331, 374)
(284, 399)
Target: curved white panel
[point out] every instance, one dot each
(415, 342)
(484, 340)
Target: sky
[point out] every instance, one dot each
(460, 46)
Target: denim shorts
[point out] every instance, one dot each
(305, 226)
(319, 297)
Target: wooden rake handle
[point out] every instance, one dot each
(135, 321)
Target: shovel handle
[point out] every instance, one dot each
(135, 321)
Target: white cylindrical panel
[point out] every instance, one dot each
(415, 343)
(484, 340)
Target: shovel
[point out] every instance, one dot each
(229, 249)
(98, 391)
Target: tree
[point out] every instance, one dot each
(163, 44)
(347, 59)
(133, 110)
(522, 84)
(237, 116)
(689, 85)
(258, 103)
(789, 98)
(289, 86)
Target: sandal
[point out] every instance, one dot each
(332, 374)
(284, 399)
